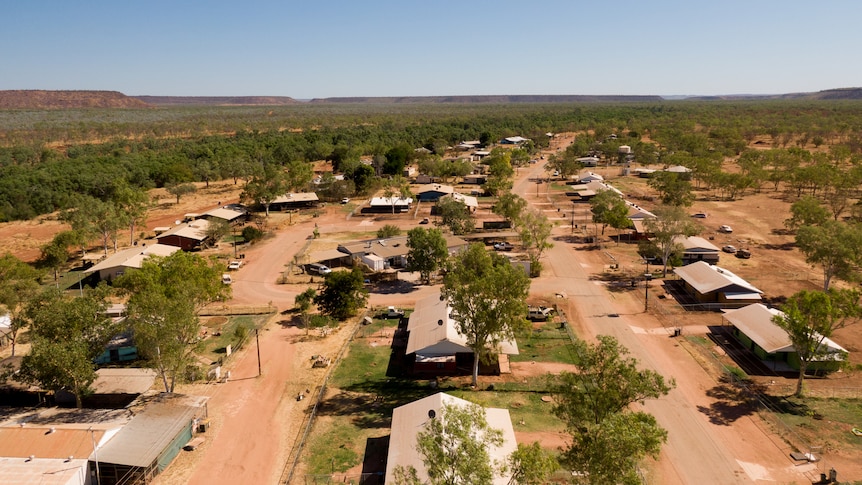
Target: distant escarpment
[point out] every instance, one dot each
(217, 100)
(489, 99)
(39, 99)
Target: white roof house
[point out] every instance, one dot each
(408, 420)
(471, 202)
(221, 213)
(590, 177)
(711, 283)
(390, 201)
(433, 331)
(755, 321)
(133, 257)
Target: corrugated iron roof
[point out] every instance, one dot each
(408, 420)
(141, 441)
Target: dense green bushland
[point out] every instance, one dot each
(158, 147)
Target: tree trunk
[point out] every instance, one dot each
(475, 370)
(800, 390)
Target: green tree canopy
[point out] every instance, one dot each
(19, 282)
(810, 317)
(835, 246)
(608, 438)
(165, 296)
(510, 206)
(428, 251)
(342, 294)
(66, 335)
(454, 446)
(610, 209)
(488, 298)
(669, 225)
(455, 215)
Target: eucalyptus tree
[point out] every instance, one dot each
(488, 298)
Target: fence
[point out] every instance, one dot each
(226, 310)
(308, 422)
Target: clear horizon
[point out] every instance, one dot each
(387, 48)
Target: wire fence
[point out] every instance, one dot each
(287, 474)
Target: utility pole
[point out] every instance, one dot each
(257, 340)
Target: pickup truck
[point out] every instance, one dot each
(393, 312)
(540, 313)
(234, 265)
(503, 246)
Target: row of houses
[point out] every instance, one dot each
(376, 254)
(108, 446)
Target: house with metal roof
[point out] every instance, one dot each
(224, 214)
(55, 455)
(392, 250)
(469, 201)
(754, 327)
(299, 200)
(186, 236)
(696, 248)
(149, 442)
(410, 419)
(433, 192)
(714, 285)
(433, 338)
(131, 258)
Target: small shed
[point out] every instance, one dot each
(146, 446)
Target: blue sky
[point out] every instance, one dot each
(325, 48)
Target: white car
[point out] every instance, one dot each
(226, 279)
(725, 229)
(234, 265)
(503, 246)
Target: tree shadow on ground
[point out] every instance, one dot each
(733, 401)
(370, 404)
(397, 287)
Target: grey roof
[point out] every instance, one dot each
(123, 381)
(706, 278)
(133, 257)
(408, 420)
(196, 230)
(434, 332)
(223, 213)
(696, 244)
(147, 435)
(755, 321)
(296, 197)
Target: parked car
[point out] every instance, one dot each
(393, 312)
(540, 313)
(234, 265)
(729, 249)
(699, 215)
(743, 253)
(424, 221)
(226, 279)
(503, 246)
(345, 200)
(318, 268)
(725, 229)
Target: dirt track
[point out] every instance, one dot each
(255, 419)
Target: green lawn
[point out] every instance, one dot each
(549, 343)
(364, 396)
(214, 346)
